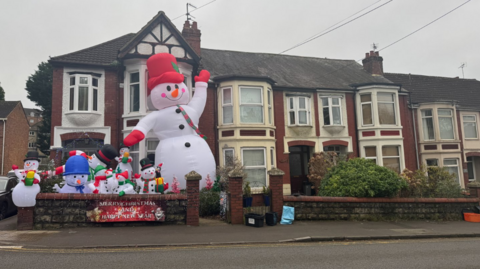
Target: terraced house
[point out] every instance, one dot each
(267, 110)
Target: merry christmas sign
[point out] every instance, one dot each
(120, 211)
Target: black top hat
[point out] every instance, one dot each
(32, 156)
(145, 163)
(123, 146)
(106, 154)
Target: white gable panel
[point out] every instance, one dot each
(145, 49)
(173, 41)
(178, 52)
(149, 38)
(133, 50)
(156, 31)
(161, 49)
(166, 32)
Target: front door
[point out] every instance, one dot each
(299, 156)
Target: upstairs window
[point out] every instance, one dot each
(332, 111)
(470, 126)
(386, 108)
(134, 92)
(227, 106)
(445, 123)
(83, 93)
(427, 124)
(299, 110)
(251, 105)
(367, 113)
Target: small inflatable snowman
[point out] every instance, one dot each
(104, 182)
(99, 159)
(26, 191)
(124, 161)
(146, 180)
(123, 185)
(182, 147)
(76, 175)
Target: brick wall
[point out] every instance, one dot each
(56, 119)
(16, 138)
(282, 159)
(352, 129)
(112, 101)
(407, 133)
(347, 208)
(207, 122)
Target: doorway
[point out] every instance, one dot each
(298, 159)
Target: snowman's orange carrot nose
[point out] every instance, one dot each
(175, 93)
(78, 181)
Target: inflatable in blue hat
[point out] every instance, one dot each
(76, 175)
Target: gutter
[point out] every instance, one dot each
(3, 143)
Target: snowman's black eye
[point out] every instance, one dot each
(74, 176)
(176, 86)
(169, 88)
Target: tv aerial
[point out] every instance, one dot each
(189, 17)
(463, 66)
(375, 46)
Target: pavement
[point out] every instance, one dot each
(216, 232)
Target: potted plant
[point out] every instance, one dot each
(266, 196)
(247, 195)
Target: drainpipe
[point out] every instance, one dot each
(357, 133)
(413, 122)
(3, 143)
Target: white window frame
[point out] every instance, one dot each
(76, 92)
(371, 108)
(399, 157)
(225, 155)
(270, 105)
(472, 161)
(272, 157)
(426, 162)
(296, 110)
(388, 102)
(227, 105)
(371, 158)
(443, 116)
(129, 90)
(433, 124)
(468, 121)
(451, 165)
(32, 114)
(252, 104)
(267, 183)
(133, 151)
(330, 106)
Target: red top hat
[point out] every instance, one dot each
(162, 68)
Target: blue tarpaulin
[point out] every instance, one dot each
(288, 215)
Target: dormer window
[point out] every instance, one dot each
(83, 93)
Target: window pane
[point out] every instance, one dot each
(82, 98)
(324, 102)
(83, 80)
(152, 144)
(270, 115)
(432, 162)
(134, 77)
(257, 176)
(326, 116)
(367, 114)
(386, 113)
(228, 114)
(366, 98)
(72, 81)
(390, 151)
(72, 97)
(470, 129)
(336, 115)
(292, 117)
(446, 127)
(370, 152)
(302, 117)
(445, 112)
(392, 163)
(134, 97)
(450, 162)
(228, 154)
(253, 157)
(135, 162)
(469, 118)
(251, 96)
(428, 129)
(385, 97)
(427, 113)
(227, 96)
(471, 174)
(94, 82)
(268, 97)
(301, 103)
(272, 157)
(335, 101)
(95, 99)
(295, 170)
(291, 103)
(453, 170)
(251, 114)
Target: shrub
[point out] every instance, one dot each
(46, 184)
(361, 178)
(434, 182)
(209, 202)
(320, 164)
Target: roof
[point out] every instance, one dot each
(6, 107)
(424, 89)
(289, 71)
(34, 110)
(103, 54)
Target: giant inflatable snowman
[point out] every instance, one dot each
(182, 147)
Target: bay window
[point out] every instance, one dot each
(269, 100)
(471, 168)
(386, 108)
(228, 157)
(470, 126)
(272, 157)
(427, 124)
(451, 165)
(83, 92)
(445, 123)
(299, 110)
(227, 106)
(253, 159)
(251, 105)
(371, 153)
(391, 158)
(432, 162)
(134, 91)
(367, 112)
(332, 111)
(151, 146)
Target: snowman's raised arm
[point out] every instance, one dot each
(200, 97)
(141, 130)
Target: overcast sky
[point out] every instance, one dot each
(32, 31)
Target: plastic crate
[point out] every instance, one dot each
(254, 220)
(271, 218)
(471, 217)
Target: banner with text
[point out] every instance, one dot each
(118, 211)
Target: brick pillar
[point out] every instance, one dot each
(235, 184)
(474, 189)
(193, 197)
(276, 187)
(25, 218)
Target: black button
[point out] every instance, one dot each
(178, 110)
(181, 126)
(187, 145)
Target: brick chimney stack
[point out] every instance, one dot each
(373, 63)
(192, 35)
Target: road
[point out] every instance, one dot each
(434, 253)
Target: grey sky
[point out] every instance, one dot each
(31, 31)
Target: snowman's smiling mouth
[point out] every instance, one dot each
(176, 99)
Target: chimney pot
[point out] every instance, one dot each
(371, 53)
(194, 26)
(367, 55)
(186, 24)
(377, 54)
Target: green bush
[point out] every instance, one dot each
(209, 202)
(434, 182)
(46, 184)
(361, 178)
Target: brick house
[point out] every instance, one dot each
(14, 130)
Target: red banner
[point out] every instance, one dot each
(119, 211)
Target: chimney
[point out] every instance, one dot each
(192, 35)
(373, 63)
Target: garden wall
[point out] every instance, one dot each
(348, 208)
